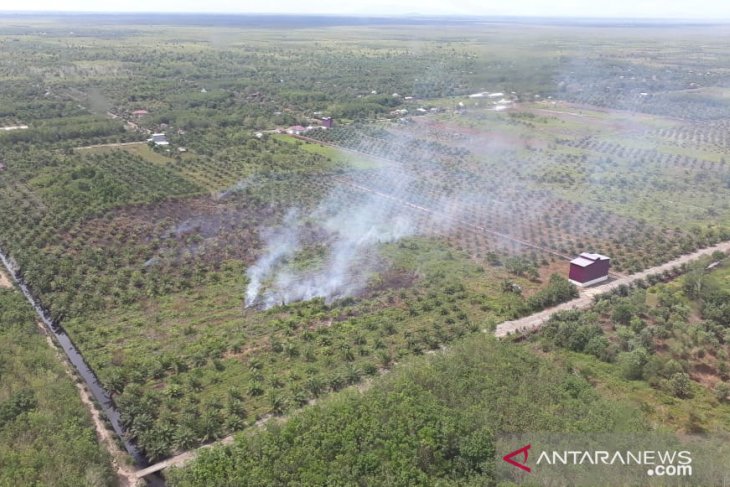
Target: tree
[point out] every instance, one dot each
(694, 283)
(622, 313)
(722, 391)
(632, 363)
(681, 385)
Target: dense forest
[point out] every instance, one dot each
(431, 422)
(46, 435)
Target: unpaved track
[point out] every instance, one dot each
(584, 301)
(112, 144)
(5, 281)
(125, 473)
(181, 459)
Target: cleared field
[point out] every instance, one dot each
(140, 149)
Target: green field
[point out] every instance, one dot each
(254, 273)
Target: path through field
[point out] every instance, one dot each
(113, 144)
(584, 301)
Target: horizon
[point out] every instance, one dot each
(378, 15)
(675, 10)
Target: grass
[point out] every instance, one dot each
(338, 157)
(661, 409)
(141, 149)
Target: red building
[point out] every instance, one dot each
(588, 269)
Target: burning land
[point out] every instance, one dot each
(298, 236)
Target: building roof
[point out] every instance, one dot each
(586, 258)
(591, 256)
(159, 139)
(582, 262)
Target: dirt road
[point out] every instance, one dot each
(114, 144)
(5, 281)
(181, 459)
(584, 301)
(125, 473)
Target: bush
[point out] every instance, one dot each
(632, 363)
(558, 290)
(681, 385)
(722, 391)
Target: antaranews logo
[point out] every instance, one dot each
(525, 452)
(660, 463)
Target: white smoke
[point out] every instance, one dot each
(238, 187)
(281, 243)
(353, 229)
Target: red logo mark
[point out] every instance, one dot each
(509, 458)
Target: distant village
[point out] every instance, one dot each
(495, 101)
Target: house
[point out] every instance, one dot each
(327, 122)
(296, 130)
(2, 167)
(588, 269)
(140, 113)
(159, 139)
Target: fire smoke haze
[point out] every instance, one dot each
(365, 208)
(352, 228)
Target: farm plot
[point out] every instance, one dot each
(191, 366)
(149, 277)
(537, 202)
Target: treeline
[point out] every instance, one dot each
(46, 437)
(431, 422)
(88, 129)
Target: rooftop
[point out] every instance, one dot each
(586, 258)
(591, 256)
(159, 139)
(582, 262)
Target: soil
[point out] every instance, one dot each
(5, 281)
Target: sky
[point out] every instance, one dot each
(683, 9)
